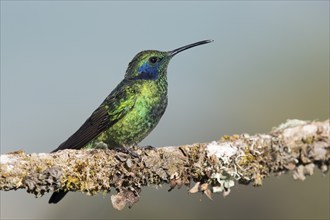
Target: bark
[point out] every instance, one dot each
(296, 146)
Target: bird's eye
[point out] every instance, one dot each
(153, 59)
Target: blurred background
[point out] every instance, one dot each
(269, 62)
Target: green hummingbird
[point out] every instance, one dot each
(131, 111)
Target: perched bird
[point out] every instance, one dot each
(131, 111)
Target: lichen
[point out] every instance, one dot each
(215, 167)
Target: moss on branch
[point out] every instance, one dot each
(296, 146)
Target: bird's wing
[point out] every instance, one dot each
(110, 111)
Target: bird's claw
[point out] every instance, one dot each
(127, 151)
(149, 147)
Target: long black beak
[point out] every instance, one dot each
(180, 49)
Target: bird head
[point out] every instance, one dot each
(151, 64)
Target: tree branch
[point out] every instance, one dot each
(296, 146)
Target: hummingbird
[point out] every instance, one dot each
(131, 111)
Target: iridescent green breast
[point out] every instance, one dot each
(149, 107)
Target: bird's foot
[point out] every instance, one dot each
(127, 151)
(148, 147)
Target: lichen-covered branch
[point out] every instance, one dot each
(296, 146)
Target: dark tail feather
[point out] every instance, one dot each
(57, 196)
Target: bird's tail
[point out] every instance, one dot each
(57, 196)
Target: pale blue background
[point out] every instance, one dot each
(269, 62)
